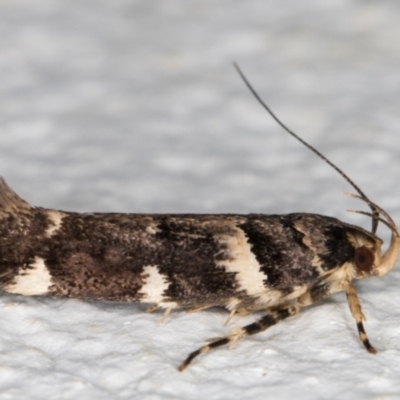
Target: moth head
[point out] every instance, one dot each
(368, 259)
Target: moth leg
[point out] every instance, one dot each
(165, 315)
(356, 312)
(152, 308)
(240, 312)
(236, 335)
(231, 314)
(196, 309)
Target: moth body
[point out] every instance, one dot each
(244, 263)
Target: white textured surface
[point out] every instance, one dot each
(134, 106)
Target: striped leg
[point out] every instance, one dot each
(233, 338)
(356, 312)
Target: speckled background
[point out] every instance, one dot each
(134, 106)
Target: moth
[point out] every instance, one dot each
(276, 264)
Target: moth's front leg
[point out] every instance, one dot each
(272, 318)
(325, 289)
(356, 312)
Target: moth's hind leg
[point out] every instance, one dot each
(272, 318)
(356, 312)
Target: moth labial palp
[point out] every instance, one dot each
(275, 264)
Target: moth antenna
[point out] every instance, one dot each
(380, 210)
(375, 212)
(370, 215)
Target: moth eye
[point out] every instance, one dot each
(364, 259)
